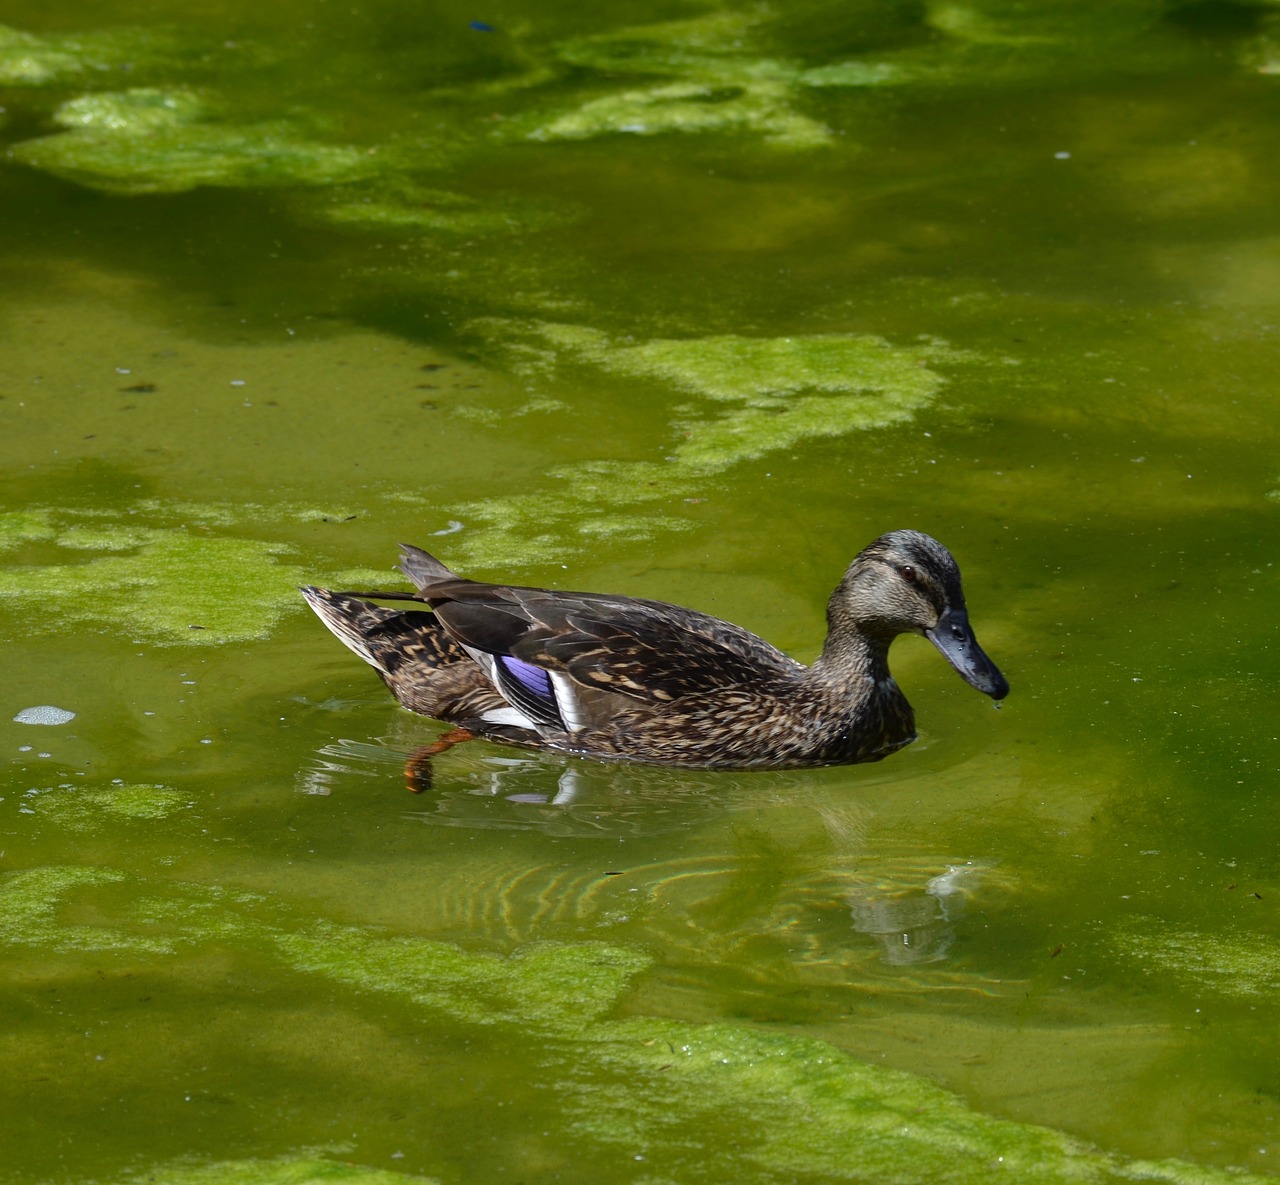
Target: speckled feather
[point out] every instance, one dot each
(620, 678)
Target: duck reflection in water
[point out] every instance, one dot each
(700, 843)
(917, 926)
(565, 796)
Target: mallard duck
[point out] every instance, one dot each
(623, 679)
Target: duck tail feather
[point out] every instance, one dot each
(423, 568)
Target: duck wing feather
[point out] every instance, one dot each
(574, 660)
(641, 650)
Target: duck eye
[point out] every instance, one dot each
(908, 573)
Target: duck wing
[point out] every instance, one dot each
(573, 660)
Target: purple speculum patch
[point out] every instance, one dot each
(533, 678)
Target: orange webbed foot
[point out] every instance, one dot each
(418, 773)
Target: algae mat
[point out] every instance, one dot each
(643, 1093)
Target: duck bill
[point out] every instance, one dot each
(953, 636)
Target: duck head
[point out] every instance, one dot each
(906, 582)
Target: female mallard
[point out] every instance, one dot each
(630, 680)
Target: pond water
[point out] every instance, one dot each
(686, 302)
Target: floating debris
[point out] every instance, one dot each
(44, 714)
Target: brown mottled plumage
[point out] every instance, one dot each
(623, 679)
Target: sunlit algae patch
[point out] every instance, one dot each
(708, 75)
(311, 1168)
(30, 60)
(718, 76)
(404, 204)
(711, 76)
(758, 106)
(174, 587)
(721, 74)
(754, 396)
(800, 1108)
(152, 141)
(82, 808)
(1235, 964)
(161, 584)
(21, 526)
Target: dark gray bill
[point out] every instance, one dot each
(954, 637)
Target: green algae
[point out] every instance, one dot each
(149, 141)
(82, 808)
(1235, 963)
(713, 75)
(755, 431)
(175, 587)
(761, 108)
(714, 42)
(167, 585)
(758, 371)
(855, 74)
(97, 535)
(732, 367)
(31, 908)
(549, 988)
(404, 203)
(18, 527)
(311, 1167)
(720, 77)
(175, 161)
(36, 906)
(27, 59)
(722, 74)
(968, 22)
(237, 514)
(661, 1086)
(189, 915)
(860, 1122)
(139, 801)
(789, 390)
(140, 111)
(718, 74)
(716, 83)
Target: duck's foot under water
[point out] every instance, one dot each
(417, 770)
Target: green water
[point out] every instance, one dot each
(690, 303)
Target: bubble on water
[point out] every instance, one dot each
(44, 714)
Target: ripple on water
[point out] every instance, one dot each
(761, 879)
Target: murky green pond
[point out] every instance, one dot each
(688, 302)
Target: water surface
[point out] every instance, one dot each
(687, 302)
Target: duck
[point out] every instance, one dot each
(619, 678)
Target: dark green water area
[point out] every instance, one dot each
(684, 301)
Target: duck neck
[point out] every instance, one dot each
(850, 654)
